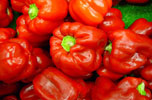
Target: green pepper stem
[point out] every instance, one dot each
(109, 47)
(33, 11)
(141, 89)
(68, 42)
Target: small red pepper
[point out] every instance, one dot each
(10, 97)
(137, 1)
(127, 52)
(89, 12)
(17, 5)
(6, 15)
(146, 72)
(27, 93)
(142, 26)
(77, 47)
(52, 84)
(6, 34)
(129, 88)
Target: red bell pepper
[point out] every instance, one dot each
(77, 47)
(17, 5)
(52, 84)
(7, 89)
(6, 15)
(10, 97)
(6, 34)
(146, 72)
(112, 21)
(89, 12)
(42, 16)
(142, 26)
(127, 52)
(16, 60)
(43, 61)
(129, 88)
(23, 32)
(137, 1)
(27, 93)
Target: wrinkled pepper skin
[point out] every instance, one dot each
(17, 5)
(146, 72)
(137, 1)
(129, 51)
(126, 89)
(112, 21)
(6, 15)
(84, 56)
(6, 34)
(89, 12)
(24, 33)
(16, 60)
(11, 97)
(42, 16)
(7, 89)
(27, 93)
(43, 61)
(59, 86)
(142, 26)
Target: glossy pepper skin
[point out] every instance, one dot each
(17, 5)
(137, 1)
(27, 93)
(24, 33)
(146, 72)
(89, 12)
(16, 60)
(59, 86)
(42, 61)
(142, 26)
(10, 97)
(126, 89)
(6, 34)
(112, 21)
(6, 15)
(42, 16)
(129, 51)
(77, 47)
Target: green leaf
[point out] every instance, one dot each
(131, 12)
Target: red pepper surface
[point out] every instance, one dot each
(7, 89)
(89, 12)
(16, 60)
(129, 88)
(52, 84)
(27, 93)
(17, 5)
(146, 72)
(76, 49)
(112, 21)
(6, 15)
(142, 26)
(137, 1)
(23, 32)
(42, 16)
(6, 34)
(128, 51)
(43, 61)
(10, 97)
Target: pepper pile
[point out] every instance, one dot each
(73, 50)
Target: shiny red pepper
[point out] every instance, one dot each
(112, 21)
(27, 93)
(127, 52)
(129, 88)
(77, 47)
(142, 26)
(52, 84)
(89, 12)
(6, 34)
(146, 72)
(6, 15)
(16, 60)
(17, 5)
(10, 97)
